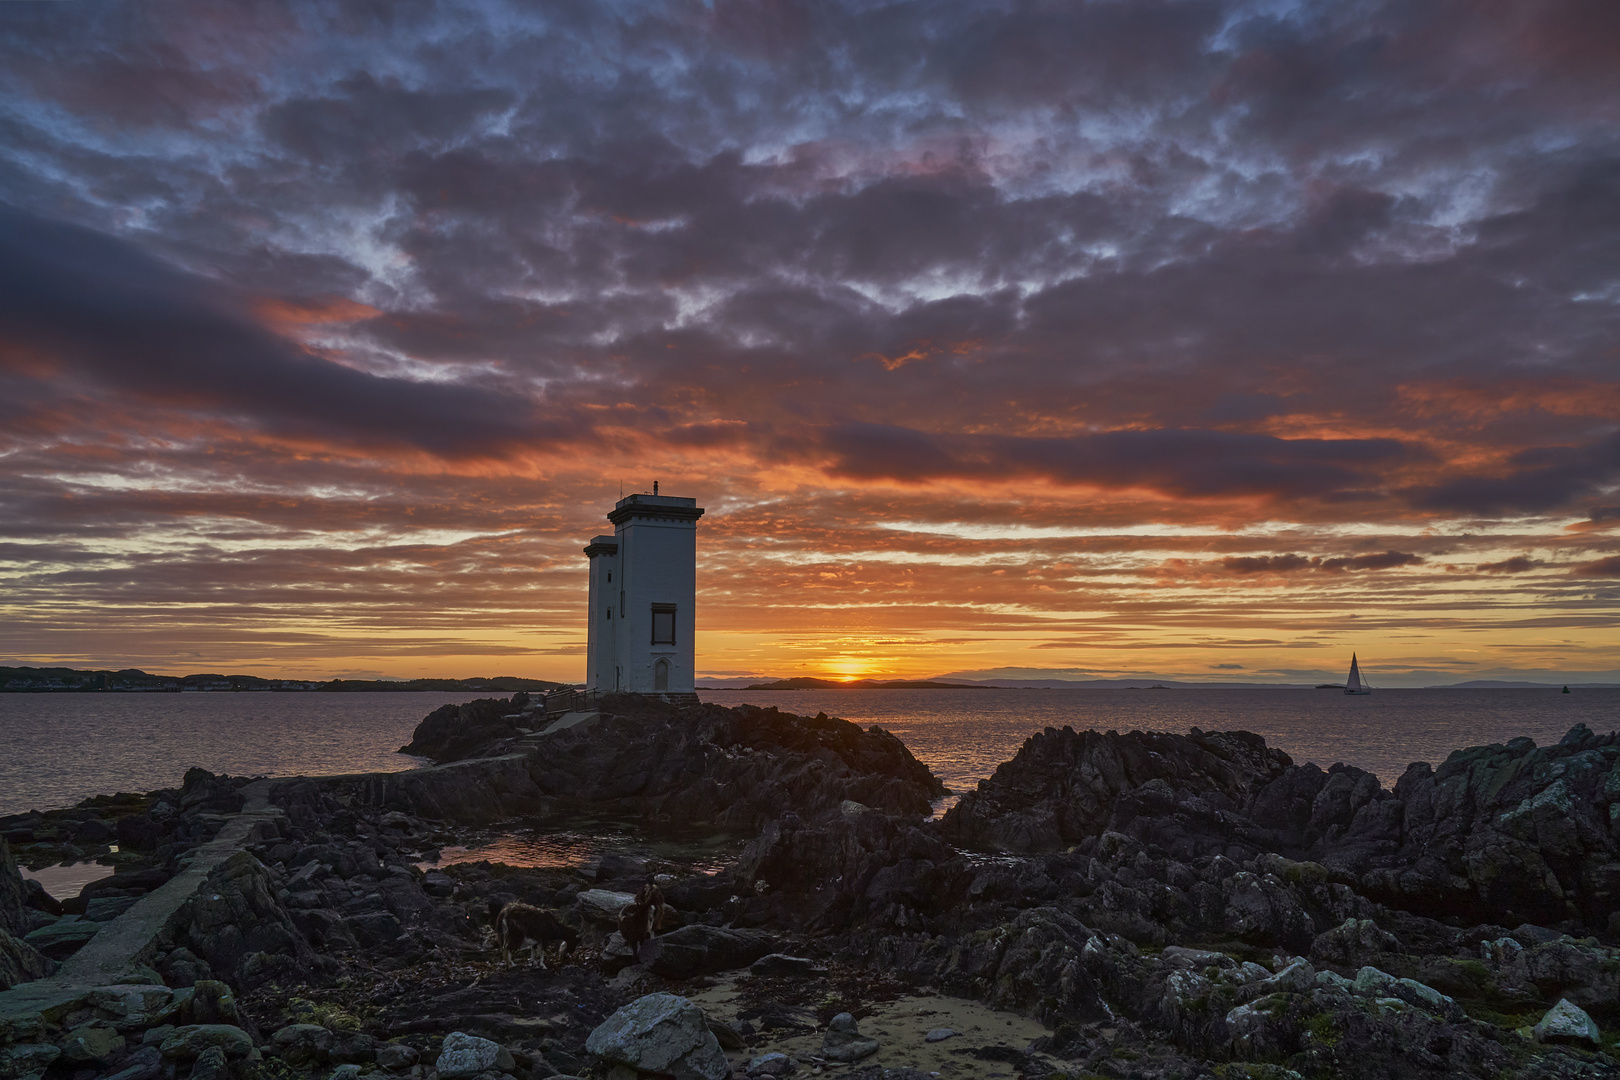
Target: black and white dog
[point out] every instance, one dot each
(524, 926)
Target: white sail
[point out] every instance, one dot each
(1353, 684)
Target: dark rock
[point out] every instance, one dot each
(92, 1043)
(21, 962)
(777, 964)
(728, 768)
(212, 1002)
(14, 895)
(211, 1065)
(703, 950)
(844, 1042)
(108, 908)
(202, 791)
(145, 1063)
(64, 937)
(396, 1057)
(457, 732)
(182, 967)
(189, 1041)
(235, 924)
(1065, 786)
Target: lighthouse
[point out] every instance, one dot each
(643, 599)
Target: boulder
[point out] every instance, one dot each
(133, 1007)
(1298, 977)
(144, 1064)
(212, 1002)
(602, 906)
(307, 1044)
(26, 1059)
(93, 1043)
(468, 1055)
(772, 1064)
(1354, 941)
(1196, 959)
(661, 1033)
(108, 908)
(21, 962)
(188, 1042)
(844, 1042)
(396, 1057)
(211, 1065)
(777, 964)
(64, 937)
(1568, 1023)
(303, 1044)
(702, 950)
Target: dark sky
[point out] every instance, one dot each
(1203, 339)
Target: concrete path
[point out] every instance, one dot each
(127, 942)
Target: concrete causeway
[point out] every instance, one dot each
(126, 942)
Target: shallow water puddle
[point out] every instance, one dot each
(567, 850)
(64, 881)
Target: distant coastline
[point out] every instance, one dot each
(32, 680)
(805, 682)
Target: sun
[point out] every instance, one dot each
(850, 668)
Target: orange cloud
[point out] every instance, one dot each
(312, 311)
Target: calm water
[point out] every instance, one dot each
(60, 748)
(963, 735)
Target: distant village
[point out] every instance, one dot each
(32, 680)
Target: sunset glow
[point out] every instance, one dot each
(1207, 340)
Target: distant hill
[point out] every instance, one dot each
(33, 680)
(804, 682)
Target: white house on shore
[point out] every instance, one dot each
(644, 599)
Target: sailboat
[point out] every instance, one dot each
(1353, 684)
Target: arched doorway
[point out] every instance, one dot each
(661, 675)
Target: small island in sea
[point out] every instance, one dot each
(1140, 904)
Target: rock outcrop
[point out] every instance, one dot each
(458, 732)
(19, 961)
(705, 765)
(1499, 834)
(1066, 786)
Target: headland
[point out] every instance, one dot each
(1106, 904)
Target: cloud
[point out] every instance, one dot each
(1599, 568)
(1518, 564)
(1180, 462)
(101, 311)
(1128, 312)
(1291, 563)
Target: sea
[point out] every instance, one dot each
(62, 748)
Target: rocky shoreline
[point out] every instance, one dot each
(1122, 905)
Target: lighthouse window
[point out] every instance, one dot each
(610, 613)
(663, 624)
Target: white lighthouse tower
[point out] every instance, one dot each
(644, 599)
